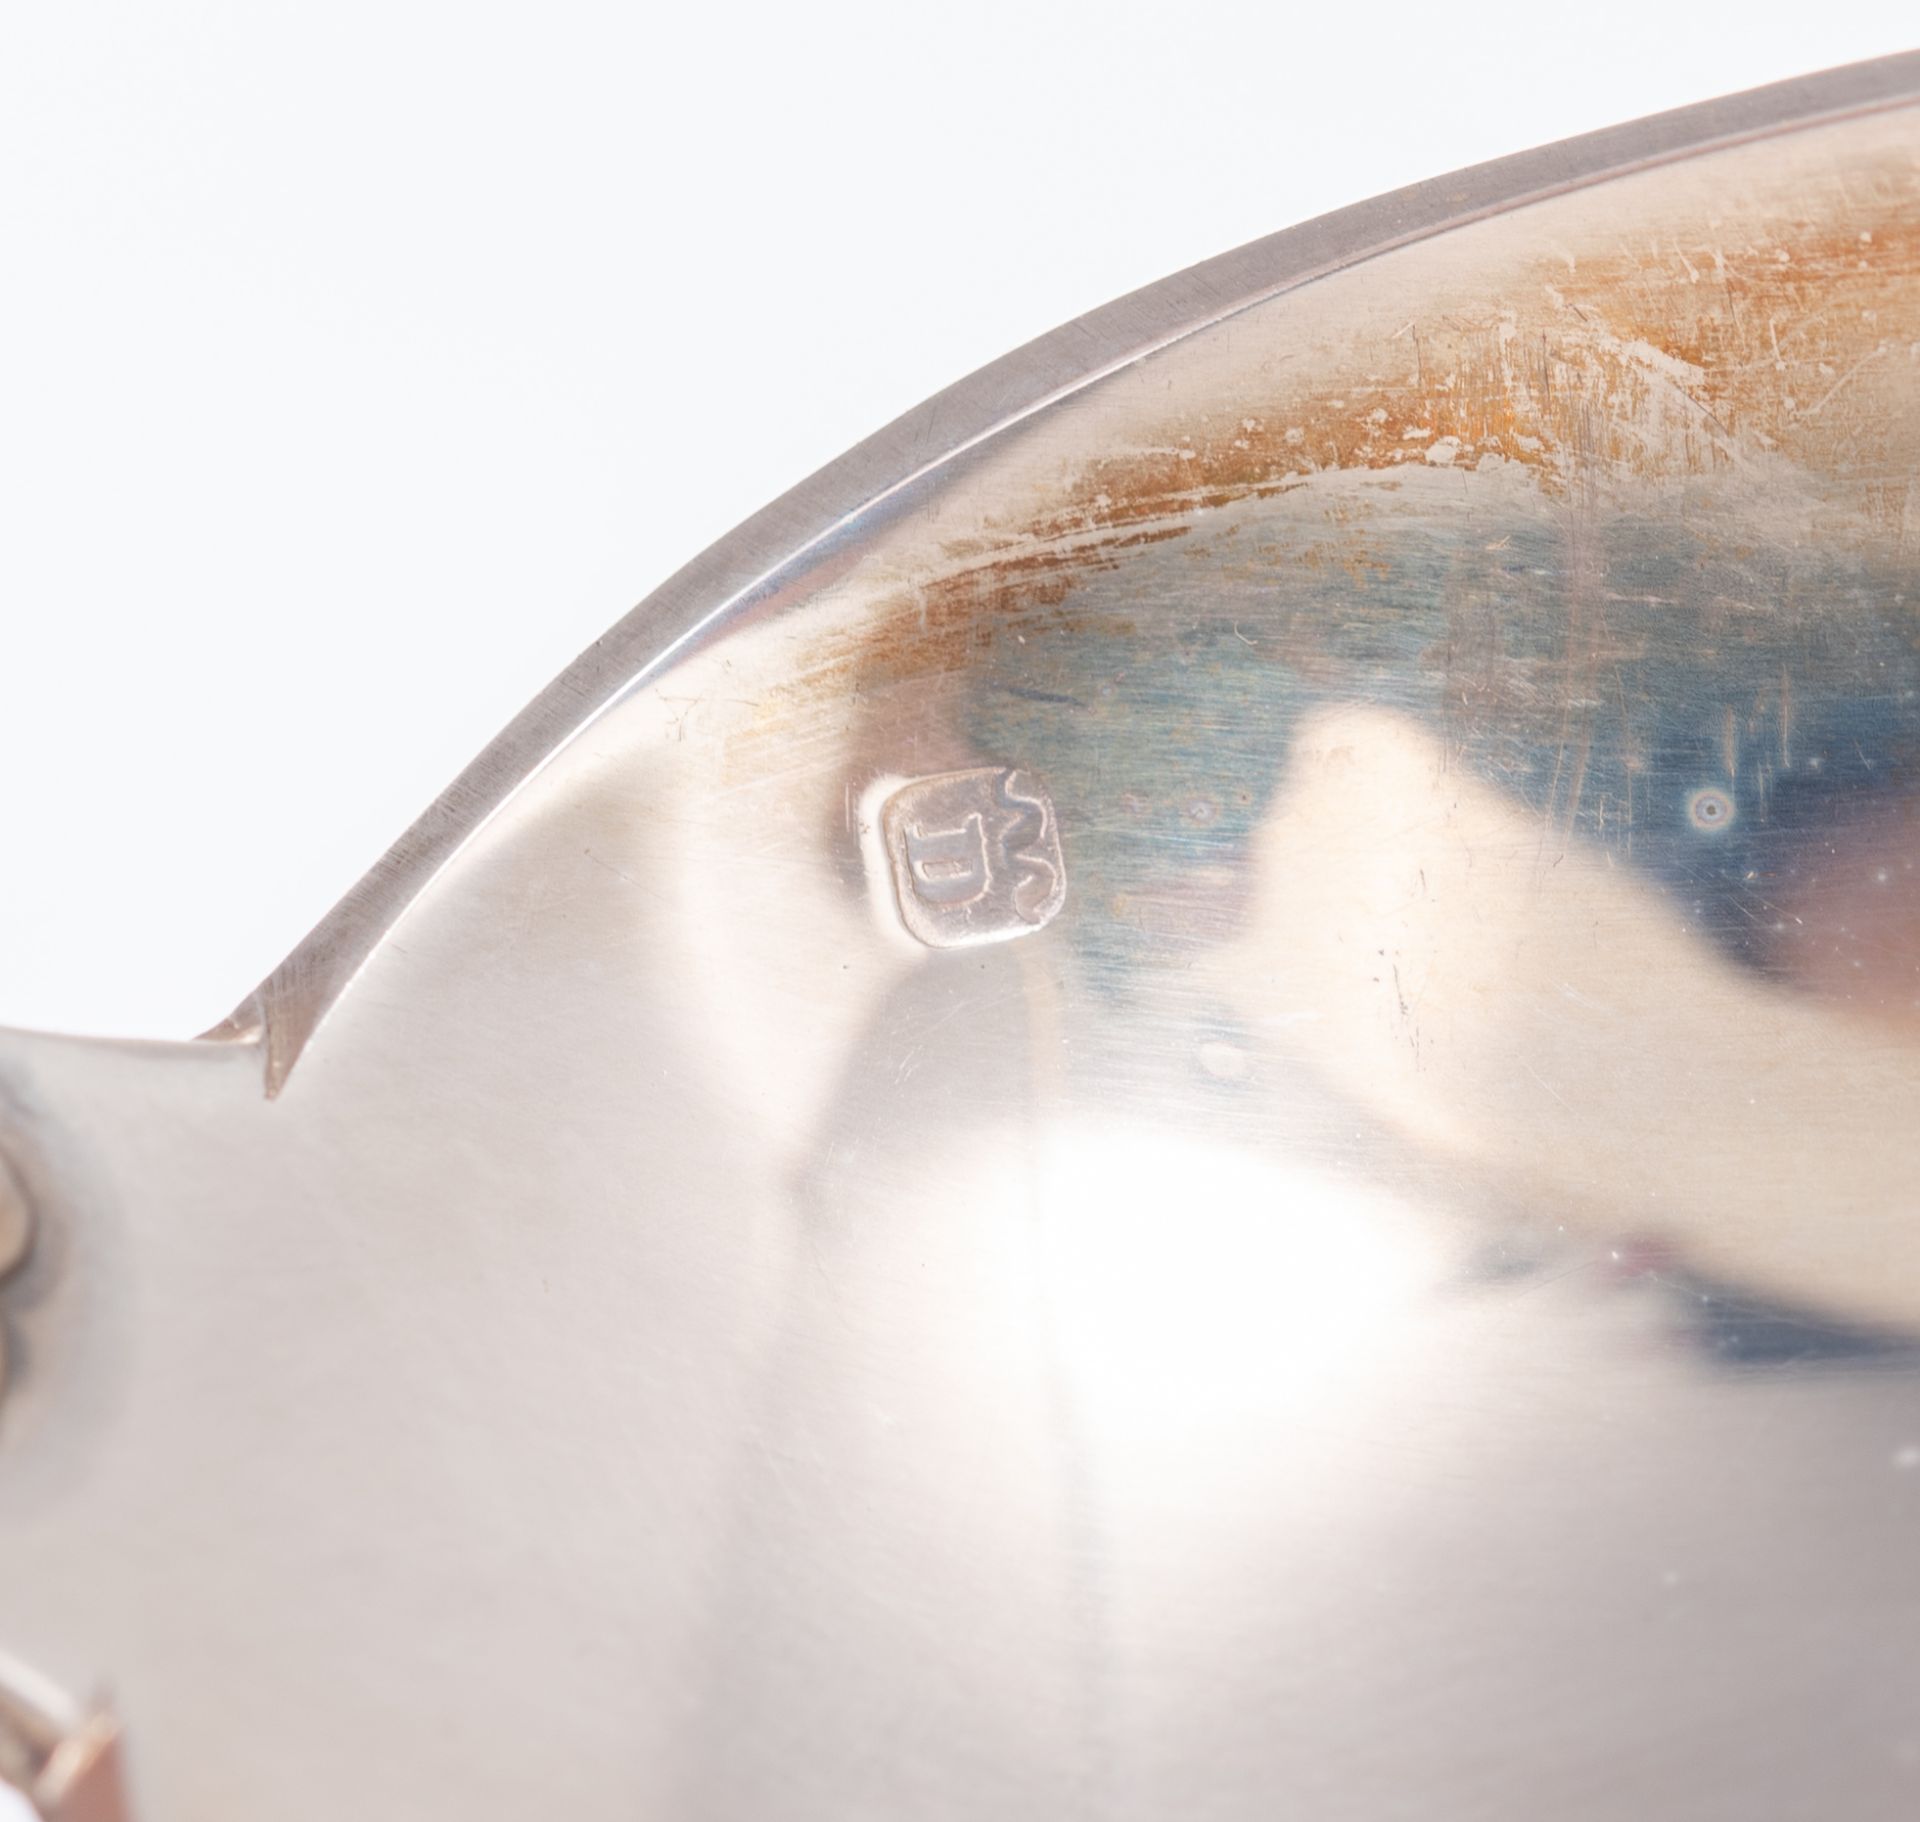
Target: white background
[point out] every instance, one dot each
(359, 363)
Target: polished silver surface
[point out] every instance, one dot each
(1191, 1096)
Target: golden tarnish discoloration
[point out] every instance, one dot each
(1764, 344)
(1660, 361)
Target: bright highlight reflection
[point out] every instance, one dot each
(1193, 1285)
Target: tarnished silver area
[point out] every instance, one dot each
(1404, 1298)
(975, 856)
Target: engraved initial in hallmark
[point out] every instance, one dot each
(975, 856)
(949, 865)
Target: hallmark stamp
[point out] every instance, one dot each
(975, 856)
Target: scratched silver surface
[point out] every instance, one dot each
(1387, 1288)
